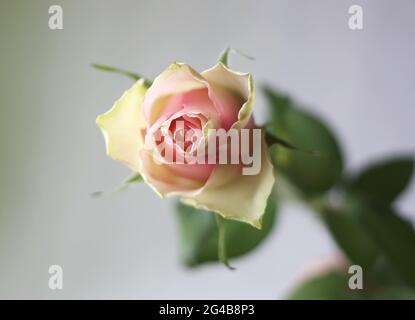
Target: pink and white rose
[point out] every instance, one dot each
(182, 100)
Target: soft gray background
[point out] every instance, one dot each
(126, 246)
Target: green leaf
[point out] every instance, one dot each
(385, 275)
(272, 140)
(332, 285)
(199, 234)
(129, 74)
(224, 56)
(352, 238)
(312, 174)
(395, 293)
(135, 177)
(384, 181)
(394, 236)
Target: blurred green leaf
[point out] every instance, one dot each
(129, 74)
(384, 181)
(395, 293)
(134, 177)
(385, 275)
(312, 174)
(272, 140)
(332, 285)
(394, 236)
(352, 238)
(224, 56)
(199, 234)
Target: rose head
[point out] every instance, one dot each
(165, 133)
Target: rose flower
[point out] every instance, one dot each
(147, 124)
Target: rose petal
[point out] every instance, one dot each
(236, 196)
(122, 125)
(163, 180)
(240, 84)
(164, 96)
(178, 78)
(195, 101)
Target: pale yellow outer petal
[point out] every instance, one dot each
(239, 83)
(122, 125)
(236, 196)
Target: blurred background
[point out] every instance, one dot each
(126, 245)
